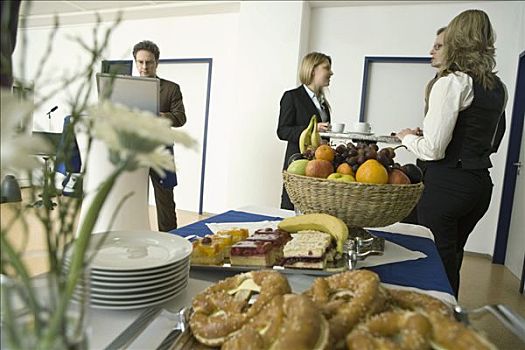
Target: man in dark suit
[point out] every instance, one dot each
(300, 104)
(146, 55)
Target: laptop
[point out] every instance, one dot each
(134, 92)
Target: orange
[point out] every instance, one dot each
(372, 172)
(325, 152)
(345, 169)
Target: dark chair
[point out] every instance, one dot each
(69, 162)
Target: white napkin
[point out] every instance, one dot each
(250, 226)
(393, 252)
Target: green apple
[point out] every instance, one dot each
(335, 176)
(298, 167)
(347, 178)
(341, 177)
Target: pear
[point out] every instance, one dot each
(298, 167)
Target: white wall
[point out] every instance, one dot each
(350, 33)
(193, 36)
(269, 42)
(256, 50)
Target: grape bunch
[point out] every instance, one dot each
(357, 154)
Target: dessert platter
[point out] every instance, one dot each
(314, 244)
(348, 310)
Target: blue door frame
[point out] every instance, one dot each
(511, 170)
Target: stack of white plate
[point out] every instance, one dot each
(135, 269)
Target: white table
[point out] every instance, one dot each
(107, 324)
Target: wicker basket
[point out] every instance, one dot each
(357, 204)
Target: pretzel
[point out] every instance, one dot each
(223, 308)
(346, 298)
(450, 334)
(420, 302)
(289, 322)
(392, 330)
(447, 333)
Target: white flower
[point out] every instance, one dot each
(18, 149)
(136, 135)
(159, 160)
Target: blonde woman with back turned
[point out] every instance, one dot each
(462, 128)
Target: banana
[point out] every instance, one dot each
(318, 222)
(315, 138)
(305, 139)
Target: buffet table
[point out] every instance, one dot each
(425, 275)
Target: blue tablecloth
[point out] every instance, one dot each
(427, 273)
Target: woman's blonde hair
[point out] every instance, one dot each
(310, 61)
(469, 47)
(308, 64)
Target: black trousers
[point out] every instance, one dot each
(165, 204)
(453, 201)
(286, 203)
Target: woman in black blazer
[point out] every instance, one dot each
(300, 104)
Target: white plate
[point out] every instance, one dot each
(124, 278)
(135, 305)
(140, 296)
(113, 286)
(133, 289)
(145, 272)
(131, 284)
(138, 250)
(359, 133)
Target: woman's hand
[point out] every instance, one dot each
(401, 134)
(322, 127)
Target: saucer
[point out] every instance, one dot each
(360, 133)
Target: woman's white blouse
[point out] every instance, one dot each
(450, 95)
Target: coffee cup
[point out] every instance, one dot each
(337, 127)
(362, 127)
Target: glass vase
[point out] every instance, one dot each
(27, 314)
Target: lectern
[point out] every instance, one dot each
(132, 214)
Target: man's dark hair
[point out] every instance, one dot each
(148, 46)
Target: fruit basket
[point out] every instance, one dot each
(357, 204)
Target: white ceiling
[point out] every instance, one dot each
(50, 8)
(42, 13)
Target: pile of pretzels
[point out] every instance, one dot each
(349, 310)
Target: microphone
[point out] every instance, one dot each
(51, 111)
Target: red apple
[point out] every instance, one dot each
(319, 168)
(397, 176)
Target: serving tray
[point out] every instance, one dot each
(355, 249)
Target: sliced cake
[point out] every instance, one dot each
(237, 234)
(224, 241)
(308, 250)
(252, 253)
(207, 252)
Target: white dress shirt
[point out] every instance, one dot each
(317, 103)
(449, 96)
